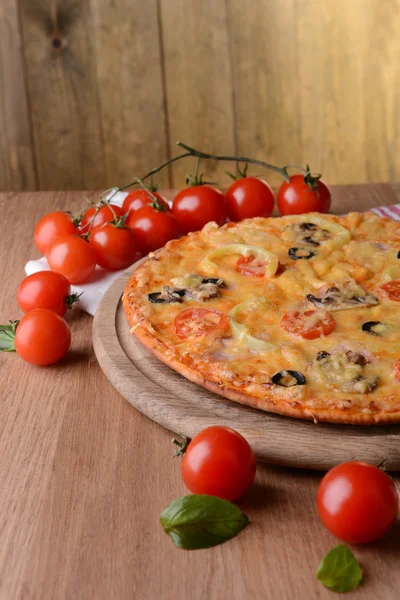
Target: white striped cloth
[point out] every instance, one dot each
(392, 211)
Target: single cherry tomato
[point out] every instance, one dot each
(310, 325)
(218, 462)
(42, 337)
(251, 265)
(392, 290)
(296, 197)
(52, 226)
(46, 289)
(73, 257)
(107, 213)
(249, 197)
(196, 206)
(195, 322)
(115, 246)
(357, 502)
(139, 198)
(396, 369)
(153, 227)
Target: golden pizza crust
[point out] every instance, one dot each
(150, 276)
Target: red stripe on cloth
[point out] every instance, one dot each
(396, 209)
(386, 211)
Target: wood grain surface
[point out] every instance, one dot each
(96, 92)
(184, 407)
(84, 477)
(17, 166)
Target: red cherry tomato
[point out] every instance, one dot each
(52, 226)
(296, 197)
(195, 322)
(310, 325)
(107, 213)
(42, 337)
(249, 197)
(71, 256)
(251, 265)
(218, 462)
(196, 206)
(392, 290)
(115, 247)
(45, 289)
(139, 198)
(357, 502)
(153, 228)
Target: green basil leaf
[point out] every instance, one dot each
(7, 335)
(201, 521)
(339, 570)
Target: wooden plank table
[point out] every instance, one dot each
(84, 477)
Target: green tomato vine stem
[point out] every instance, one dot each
(237, 159)
(189, 151)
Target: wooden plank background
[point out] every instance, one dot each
(96, 92)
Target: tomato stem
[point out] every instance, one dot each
(157, 205)
(71, 299)
(182, 444)
(197, 179)
(137, 180)
(311, 180)
(253, 161)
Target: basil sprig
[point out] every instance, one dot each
(201, 521)
(339, 570)
(7, 336)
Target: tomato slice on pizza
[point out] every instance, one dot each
(310, 324)
(195, 322)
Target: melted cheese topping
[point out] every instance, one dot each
(357, 249)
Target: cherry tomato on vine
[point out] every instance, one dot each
(309, 325)
(297, 197)
(153, 227)
(195, 206)
(115, 246)
(46, 289)
(52, 226)
(392, 290)
(73, 257)
(357, 502)
(139, 198)
(107, 213)
(42, 337)
(218, 462)
(249, 197)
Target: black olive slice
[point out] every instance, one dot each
(374, 327)
(398, 254)
(322, 354)
(309, 240)
(288, 378)
(155, 298)
(300, 253)
(214, 280)
(308, 226)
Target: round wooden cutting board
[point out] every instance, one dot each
(183, 407)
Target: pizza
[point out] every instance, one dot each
(297, 315)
